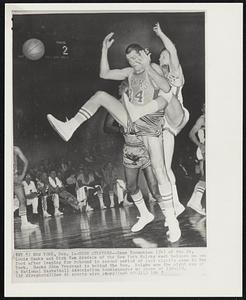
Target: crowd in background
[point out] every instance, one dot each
(88, 183)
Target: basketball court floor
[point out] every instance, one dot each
(109, 228)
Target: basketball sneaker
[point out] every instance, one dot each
(64, 129)
(142, 222)
(174, 232)
(58, 213)
(178, 208)
(28, 226)
(46, 214)
(197, 207)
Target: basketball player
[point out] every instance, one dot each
(176, 116)
(145, 82)
(19, 190)
(135, 158)
(197, 135)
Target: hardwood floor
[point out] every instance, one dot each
(109, 228)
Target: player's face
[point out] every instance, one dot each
(164, 58)
(132, 58)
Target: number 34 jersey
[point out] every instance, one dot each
(141, 89)
(141, 92)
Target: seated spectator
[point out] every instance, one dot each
(31, 194)
(43, 188)
(55, 187)
(85, 181)
(71, 183)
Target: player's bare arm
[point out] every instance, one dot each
(169, 45)
(154, 71)
(105, 71)
(20, 154)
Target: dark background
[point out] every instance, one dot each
(60, 84)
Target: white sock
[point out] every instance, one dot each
(56, 202)
(111, 197)
(140, 204)
(82, 115)
(198, 192)
(100, 197)
(35, 205)
(119, 193)
(24, 220)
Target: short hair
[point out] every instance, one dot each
(133, 47)
(163, 49)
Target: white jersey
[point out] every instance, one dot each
(55, 183)
(29, 188)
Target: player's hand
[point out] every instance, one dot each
(157, 29)
(144, 58)
(108, 41)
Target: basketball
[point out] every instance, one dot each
(33, 49)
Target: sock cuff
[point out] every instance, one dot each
(85, 113)
(167, 197)
(137, 197)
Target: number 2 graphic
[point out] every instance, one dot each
(64, 50)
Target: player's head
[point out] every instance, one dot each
(123, 87)
(132, 55)
(164, 58)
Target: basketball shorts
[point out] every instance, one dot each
(150, 125)
(135, 157)
(175, 130)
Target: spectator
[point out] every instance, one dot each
(31, 194)
(55, 187)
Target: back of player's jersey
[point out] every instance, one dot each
(141, 89)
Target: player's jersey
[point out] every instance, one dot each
(142, 91)
(141, 88)
(176, 82)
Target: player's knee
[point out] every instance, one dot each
(100, 94)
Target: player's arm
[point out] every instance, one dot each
(193, 133)
(24, 159)
(169, 45)
(153, 70)
(105, 71)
